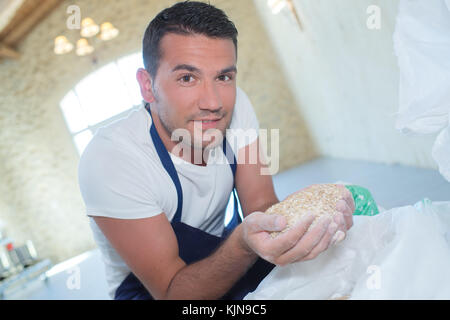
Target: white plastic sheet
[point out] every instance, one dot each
(441, 151)
(402, 253)
(422, 45)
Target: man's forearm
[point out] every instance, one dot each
(264, 204)
(212, 277)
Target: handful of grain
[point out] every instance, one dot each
(318, 200)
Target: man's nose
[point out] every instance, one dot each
(210, 98)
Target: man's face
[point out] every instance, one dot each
(195, 83)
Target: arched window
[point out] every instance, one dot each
(102, 97)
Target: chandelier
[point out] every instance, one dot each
(106, 31)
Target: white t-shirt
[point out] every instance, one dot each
(121, 176)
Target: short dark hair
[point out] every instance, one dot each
(185, 18)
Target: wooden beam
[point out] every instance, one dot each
(25, 9)
(7, 52)
(45, 6)
(8, 10)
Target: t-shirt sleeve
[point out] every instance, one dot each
(244, 126)
(113, 184)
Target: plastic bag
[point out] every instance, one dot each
(364, 202)
(422, 45)
(402, 253)
(441, 151)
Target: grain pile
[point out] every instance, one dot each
(318, 200)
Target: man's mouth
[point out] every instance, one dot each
(208, 123)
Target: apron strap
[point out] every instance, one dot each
(168, 165)
(237, 217)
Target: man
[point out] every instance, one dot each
(156, 210)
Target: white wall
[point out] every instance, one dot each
(345, 79)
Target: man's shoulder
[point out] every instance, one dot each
(243, 113)
(121, 143)
(241, 96)
(110, 165)
(119, 136)
(243, 105)
(130, 127)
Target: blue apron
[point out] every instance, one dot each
(195, 244)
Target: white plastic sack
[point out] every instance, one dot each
(441, 151)
(402, 253)
(422, 45)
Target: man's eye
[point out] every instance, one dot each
(225, 77)
(187, 78)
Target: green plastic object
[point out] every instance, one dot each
(365, 204)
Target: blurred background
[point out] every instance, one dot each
(315, 69)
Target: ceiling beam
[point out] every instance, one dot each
(8, 9)
(8, 52)
(19, 32)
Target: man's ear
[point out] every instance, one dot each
(145, 82)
